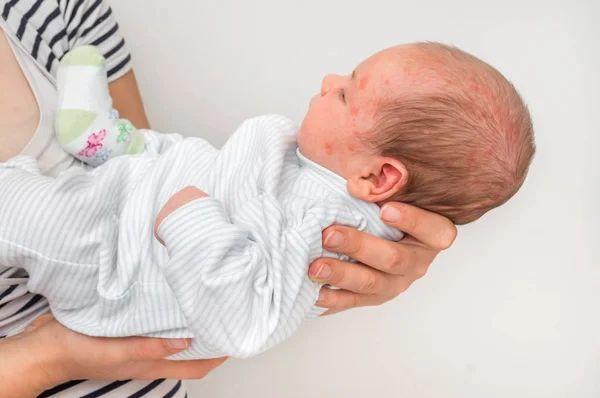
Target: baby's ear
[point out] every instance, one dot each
(385, 178)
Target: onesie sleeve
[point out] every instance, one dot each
(242, 284)
(159, 143)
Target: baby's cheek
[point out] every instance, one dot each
(328, 147)
(364, 121)
(306, 134)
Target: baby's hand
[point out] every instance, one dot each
(181, 198)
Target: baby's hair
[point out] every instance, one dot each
(467, 144)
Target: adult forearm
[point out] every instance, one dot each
(128, 100)
(22, 369)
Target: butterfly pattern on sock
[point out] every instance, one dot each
(113, 114)
(125, 130)
(94, 143)
(103, 154)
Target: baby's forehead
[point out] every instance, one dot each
(400, 67)
(387, 82)
(402, 71)
(419, 63)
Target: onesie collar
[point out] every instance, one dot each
(338, 184)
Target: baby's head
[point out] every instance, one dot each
(424, 124)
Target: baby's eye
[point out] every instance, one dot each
(342, 96)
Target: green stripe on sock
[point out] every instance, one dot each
(137, 144)
(71, 123)
(83, 56)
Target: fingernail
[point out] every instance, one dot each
(321, 296)
(323, 273)
(334, 239)
(390, 214)
(177, 344)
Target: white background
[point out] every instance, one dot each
(513, 309)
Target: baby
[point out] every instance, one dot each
(423, 123)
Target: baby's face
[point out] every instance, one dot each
(344, 112)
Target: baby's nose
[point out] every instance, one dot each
(327, 84)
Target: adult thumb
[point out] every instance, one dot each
(150, 349)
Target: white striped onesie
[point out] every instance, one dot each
(40, 32)
(233, 275)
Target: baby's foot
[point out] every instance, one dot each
(86, 124)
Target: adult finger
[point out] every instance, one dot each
(389, 257)
(39, 321)
(355, 277)
(365, 248)
(344, 299)
(141, 349)
(433, 230)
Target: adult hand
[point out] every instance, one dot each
(55, 354)
(385, 268)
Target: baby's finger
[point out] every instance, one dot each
(433, 230)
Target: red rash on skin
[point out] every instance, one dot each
(350, 148)
(496, 111)
(495, 195)
(471, 159)
(476, 88)
(387, 82)
(328, 148)
(363, 82)
(354, 110)
(511, 130)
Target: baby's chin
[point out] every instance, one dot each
(303, 136)
(302, 146)
(306, 147)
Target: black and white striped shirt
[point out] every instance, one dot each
(47, 30)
